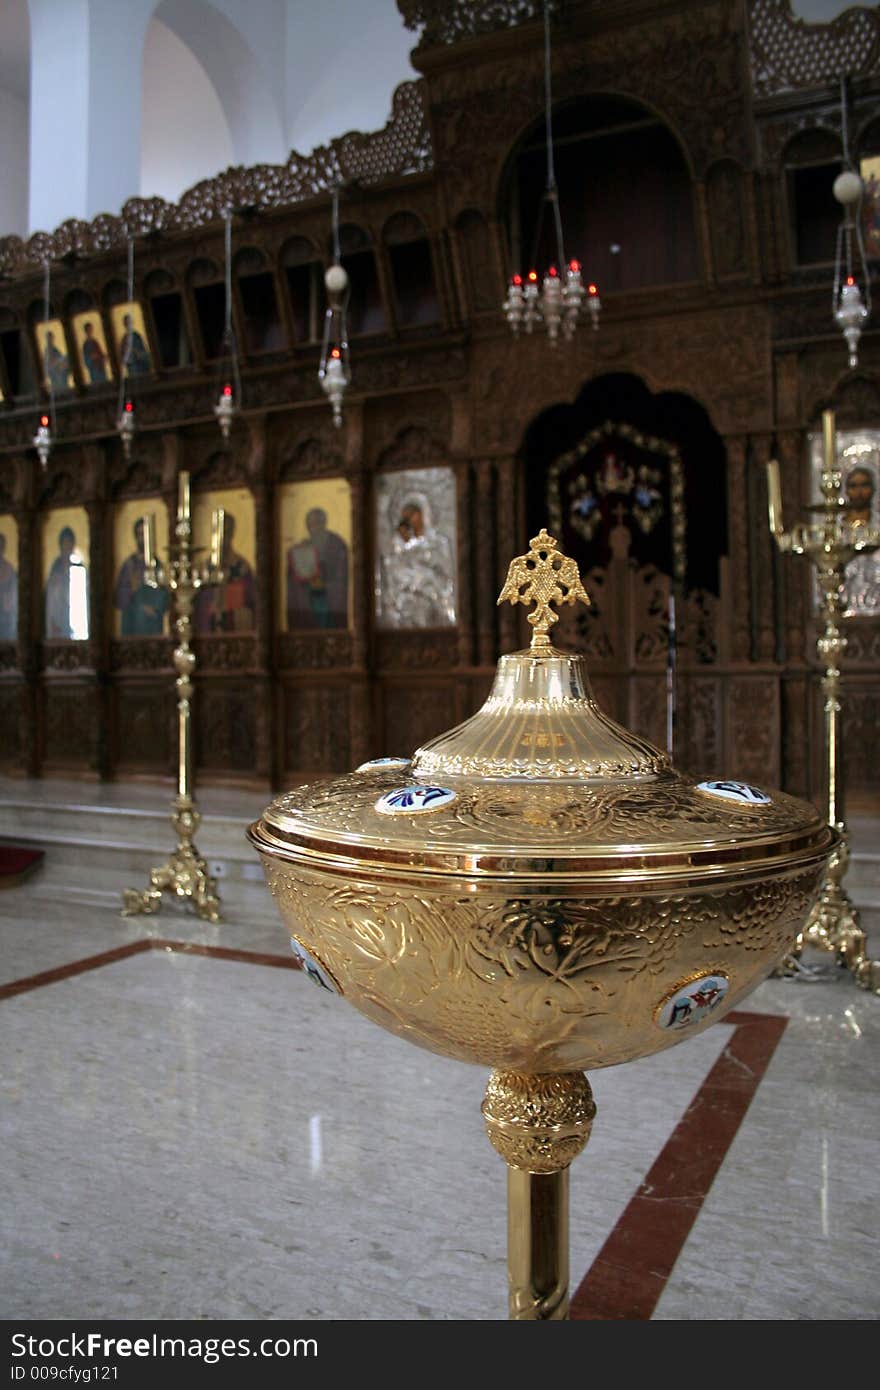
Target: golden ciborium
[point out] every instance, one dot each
(540, 892)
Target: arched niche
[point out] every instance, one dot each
(19, 380)
(262, 328)
(482, 291)
(205, 282)
(165, 303)
(625, 196)
(412, 270)
(812, 161)
(633, 485)
(366, 307)
(303, 272)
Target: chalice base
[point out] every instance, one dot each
(185, 875)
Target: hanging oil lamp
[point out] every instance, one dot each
(125, 417)
(42, 440)
(559, 300)
(228, 400)
(125, 426)
(334, 371)
(850, 306)
(225, 408)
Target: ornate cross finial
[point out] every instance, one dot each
(542, 577)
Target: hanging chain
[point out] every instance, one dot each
(227, 331)
(337, 254)
(551, 194)
(851, 226)
(46, 316)
(125, 374)
(335, 314)
(130, 269)
(548, 100)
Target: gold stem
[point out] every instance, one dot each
(831, 645)
(538, 1124)
(537, 1244)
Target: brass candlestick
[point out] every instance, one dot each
(185, 874)
(831, 542)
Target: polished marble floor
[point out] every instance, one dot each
(191, 1129)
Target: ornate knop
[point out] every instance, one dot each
(543, 577)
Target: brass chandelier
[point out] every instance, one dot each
(558, 303)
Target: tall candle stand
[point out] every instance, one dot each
(831, 541)
(185, 874)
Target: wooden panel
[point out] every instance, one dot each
(647, 699)
(861, 735)
(11, 709)
(70, 725)
(753, 730)
(145, 728)
(698, 749)
(225, 727)
(411, 714)
(317, 736)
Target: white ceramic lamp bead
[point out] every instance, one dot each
(336, 279)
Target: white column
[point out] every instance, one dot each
(86, 58)
(59, 111)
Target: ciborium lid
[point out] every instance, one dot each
(540, 781)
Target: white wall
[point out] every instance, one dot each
(14, 156)
(149, 97)
(184, 133)
(344, 60)
(820, 11)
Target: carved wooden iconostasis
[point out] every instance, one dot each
(359, 617)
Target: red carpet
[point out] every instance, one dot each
(16, 864)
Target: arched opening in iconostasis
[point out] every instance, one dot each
(626, 197)
(634, 487)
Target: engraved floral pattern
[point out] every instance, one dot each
(533, 982)
(567, 817)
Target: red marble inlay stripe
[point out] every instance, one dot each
(76, 967)
(631, 1270)
(135, 948)
(196, 948)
